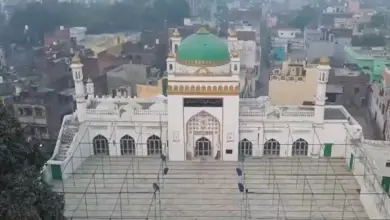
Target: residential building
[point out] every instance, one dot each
(40, 110)
(326, 42)
(379, 102)
(372, 60)
(287, 81)
(201, 125)
(347, 86)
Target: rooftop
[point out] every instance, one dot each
(121, 188)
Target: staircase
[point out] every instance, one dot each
(67, 136)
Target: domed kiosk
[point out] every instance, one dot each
(203, 48)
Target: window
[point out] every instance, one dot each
(235, 67)
(114, 93)
(245, 148)
(300, 148)
(38, 111)
(356, 90)
(154, 146)
(20, 111)
(271, 148)
(100, 145)
(127, 145)
(28, 111)
(170, 67)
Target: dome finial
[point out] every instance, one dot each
(176, 33)
(324, 61)
(202, 30)
(171, 55)
(76, 59)
(232, 33)
(235, 54)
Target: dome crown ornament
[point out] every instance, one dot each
(203, 30)
(176, 33)
(232, 33)
(235, 54)
(324, 61)
(76, 59)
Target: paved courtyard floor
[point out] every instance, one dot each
(280, 188)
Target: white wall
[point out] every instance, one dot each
(376, 204)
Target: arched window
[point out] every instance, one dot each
(127, 145)
(203, 147)
(300, 147)
(100, 146)
(176, 47)
(271, 148)
(170, 66)
(235, 67)
(154, 146)
(244, 148)
(114, 93)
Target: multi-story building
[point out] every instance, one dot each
(379, 102)
(40, 110)
(347, 86)
(287, 81)
(372, 60)
(326, 42)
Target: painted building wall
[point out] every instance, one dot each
(371, 65)
(290, 92)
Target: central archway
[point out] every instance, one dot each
(203, 129)
(203, 148)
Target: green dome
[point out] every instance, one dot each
(203, 48)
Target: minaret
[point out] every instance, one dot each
(235, 63)
(171, 63)
(175, 41)
(232, 41)
(77, 73)
(90, 89)
(323, 75)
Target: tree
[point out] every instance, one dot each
(98, 18)
(306, 15)
(378, 20)
(370, 40)
(24, 195)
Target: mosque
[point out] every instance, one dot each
(202, 116)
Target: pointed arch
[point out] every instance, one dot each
(154, 146)
(271, 148)
(245, 148)
(203, 121)
(127, 145)
(100, 145)
(300, 147)
(203, 148)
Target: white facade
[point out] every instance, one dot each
(203, 117)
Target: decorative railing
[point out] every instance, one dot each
(287, 78)
(149, 112)
(298, 113)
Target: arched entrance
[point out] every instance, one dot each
(203, 148)
(203, 136)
